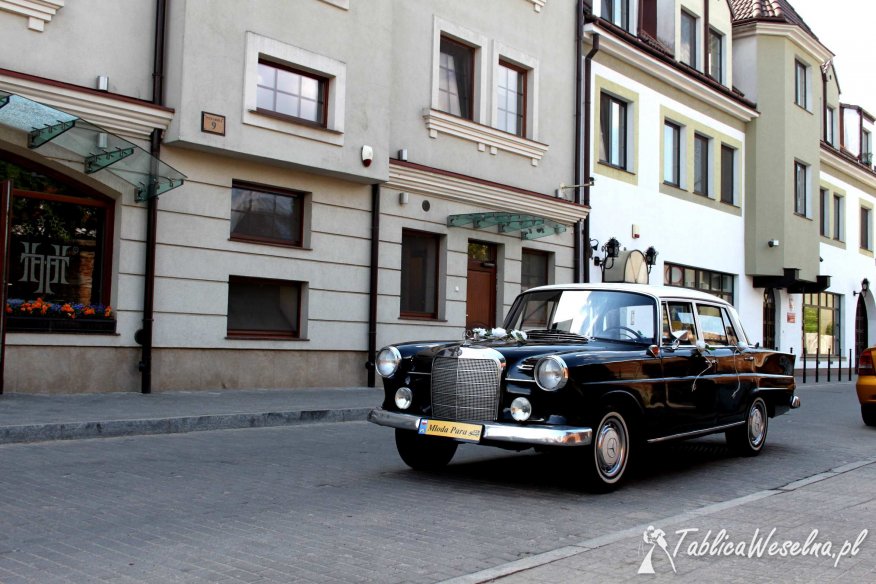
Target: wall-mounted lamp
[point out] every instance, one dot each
(560, 192)
(865, 286)
(611, 250)
(651, 257)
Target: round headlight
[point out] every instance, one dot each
(388, 360)
(521, 409)
(403, 398)
(551, 373)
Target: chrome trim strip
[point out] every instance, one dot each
(515, 380)
(498, 432)
(418, 373)
(696, 432)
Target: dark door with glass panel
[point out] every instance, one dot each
(769, 318)
(480, 302)
(861, 340)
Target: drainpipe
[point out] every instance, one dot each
(372, 294)
(152, 206)
(581, 226)
(583, 176)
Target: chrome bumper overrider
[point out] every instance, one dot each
(795, 402)
(497, 431)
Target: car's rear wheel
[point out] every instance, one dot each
(424, 452)
(868, 413)
(749, 439)
(609, 452)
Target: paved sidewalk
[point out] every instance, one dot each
(34, 418)
(818, 529)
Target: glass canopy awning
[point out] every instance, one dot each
(98, 149)
(529, 226)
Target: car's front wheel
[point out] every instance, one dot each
(609, 453)
(748, 439)
(424, 452)
(868, 413)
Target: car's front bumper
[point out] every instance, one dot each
(535, 435)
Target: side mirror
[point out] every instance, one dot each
(742, 346)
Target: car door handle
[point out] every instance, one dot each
(749, 358)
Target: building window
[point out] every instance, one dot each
(716, 55)
(866, 229)
(265, 214)
(688, 52)
(613, 126)
(672, 154)
(511, 98)
(534, 269)
(293, 93)
(701, 164)
(259, 308)
(728, 174)
(456, 79)
(617, 12)
(839, 216)
(829, 122)
(59, 252)
(717, 283)
(419, 274)
(801, 85)
(800, 186)
(824, 212)
(866, 148)
(822, 323)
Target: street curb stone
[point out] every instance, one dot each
(116, 428)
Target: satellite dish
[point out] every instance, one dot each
(629, 267)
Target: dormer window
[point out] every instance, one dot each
(716, 55)
(688, 41)
(829, 135)
(866, 148)
(617, 12)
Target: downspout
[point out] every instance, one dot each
(152, 205)
(580, 273)
(583, 174)
(372, 293)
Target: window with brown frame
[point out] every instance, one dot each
(613, 130)
(688, 49)
(534, 269)
(60, 253)
(456, 78)
(866, 229)
(801, 85)
(701, 164)
(511, 97)
(419, 274)
(264, 309)
(292, 93)
(266, 214)
(728, 174)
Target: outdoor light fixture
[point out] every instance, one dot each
(650, 257)
(865, 285)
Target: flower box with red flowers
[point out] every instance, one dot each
(58, 317)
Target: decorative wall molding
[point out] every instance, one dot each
(37, 12)
(487, 138)
(127, 118)
(487, 195)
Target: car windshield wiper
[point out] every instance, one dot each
(616, 340)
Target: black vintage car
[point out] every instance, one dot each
(594, 370)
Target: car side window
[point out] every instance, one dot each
(712, 321)
(732, 337)
(679, 317)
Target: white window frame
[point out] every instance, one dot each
(334, 71)
(807, 79)
(680, 184)
(830, 122)
(807, 189)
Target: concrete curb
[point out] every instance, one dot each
(116, 428)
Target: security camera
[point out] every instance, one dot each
(367, 155)
(773, 243)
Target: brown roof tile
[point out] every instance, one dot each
(768, 10)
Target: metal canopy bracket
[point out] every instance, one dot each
(40, 136)
(530, 226)
(159, 188)
(97, 162)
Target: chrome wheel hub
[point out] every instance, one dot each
(756, 424)
(611, 448)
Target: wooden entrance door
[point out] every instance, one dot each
(5, 219)
(769, 319)
(480, 301)
(861, 322)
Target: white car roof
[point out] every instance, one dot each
(659, 292)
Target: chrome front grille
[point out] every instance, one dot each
(466, 388)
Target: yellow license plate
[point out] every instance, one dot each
(455, 430)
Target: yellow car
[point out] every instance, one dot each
(866, 386)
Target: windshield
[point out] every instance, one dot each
(600, 314)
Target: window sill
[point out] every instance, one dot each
(233, 337)
(486, 138)
(37, 324)
(293, 126)
(268, 242)
(421, 318)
